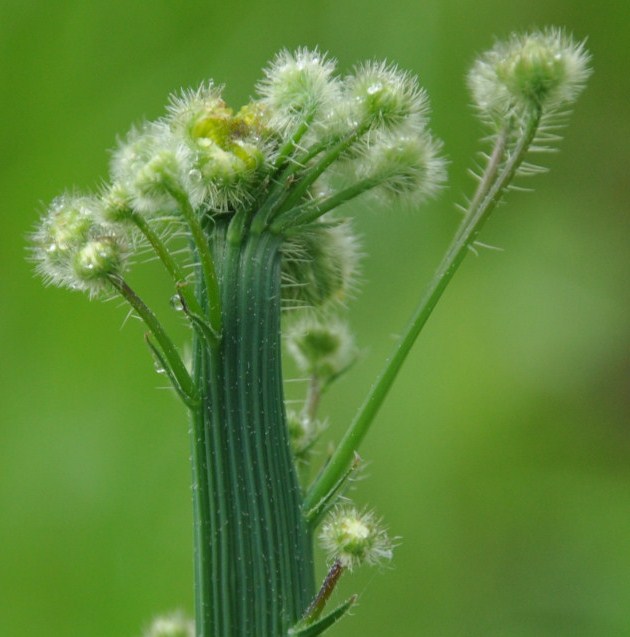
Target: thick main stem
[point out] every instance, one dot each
(254, 572)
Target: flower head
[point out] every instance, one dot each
(74, 249)
(228, 152)
(149, 164)
(298, 87)
(353, 538)
(543, 69)
(385, 97)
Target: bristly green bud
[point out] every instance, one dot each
(117, 206)
(74, 249)
(320, 265)
(175, 625)
(149, 164)
(65, 227)
(199, 113)
(354, 538)
(228, 151)
(321, 346)
(407, 165)
(298, 87)
(384, 97)
(543, 69)
(96, 261)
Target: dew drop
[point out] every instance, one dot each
(176, 303)
(158, 368)
(195, 176)
(374, 88)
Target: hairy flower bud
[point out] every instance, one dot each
(116, 206)
(73, 248)
(385, 97)
(98, 259)
(321, 346)
(320, 264)
(149, 164)
(407, 165)
(297, 87)
(353, 538)
(543, 69)
(228, 151)
(303, 434)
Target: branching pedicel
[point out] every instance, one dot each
(254, 194)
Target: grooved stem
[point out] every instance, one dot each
(253, 560)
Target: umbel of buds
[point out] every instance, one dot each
(244, 209)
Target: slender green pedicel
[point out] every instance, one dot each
(241, 207)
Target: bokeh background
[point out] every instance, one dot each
(502, 457)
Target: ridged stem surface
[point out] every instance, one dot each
(253, 565)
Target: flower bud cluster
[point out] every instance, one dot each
(539, 70)
(310, 141)
(376, 110)
(74, 248)
(201, 150)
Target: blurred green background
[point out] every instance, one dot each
(502, 457)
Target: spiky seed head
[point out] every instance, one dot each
(542, 69)
(298, 86)
(353, 538)
(175, 625)
(321, 346)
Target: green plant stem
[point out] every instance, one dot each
(205, 506)
(257, 579)
(170, 264)
(205, 257)
(311, 175)
(464, 238)
(311, 211)
(169, 350)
